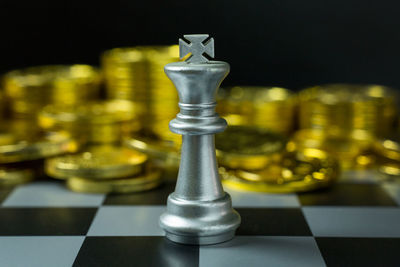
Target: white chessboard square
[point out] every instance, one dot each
(50, 194)
(39, 251)
(258, 200)
(353, 222)
(127, 221)
(393, 189)
(260, 251)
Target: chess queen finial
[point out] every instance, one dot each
(198, 46)
(199, 211)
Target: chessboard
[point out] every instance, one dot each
(354, 223)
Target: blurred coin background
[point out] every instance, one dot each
(305, 100)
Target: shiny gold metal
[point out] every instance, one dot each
(97, 122)
(166, 153)
(137, 74)
(23, 141)
(299, 171)
(248, 147)
(266, 107)
(13, 176)
(97, 163)
(390, 169)
(2, 105)
(389, 147)
(348, 108)
(146, 181)
(7, 138)
(388, 153)
(32, 88)
(348, 148)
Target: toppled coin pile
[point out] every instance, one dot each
(68, 132)
(23, 146)
(104, 164)
(105, 169)
(260, 161)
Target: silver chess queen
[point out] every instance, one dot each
(199, 211)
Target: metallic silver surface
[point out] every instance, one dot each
(199, 211)
(197, 47)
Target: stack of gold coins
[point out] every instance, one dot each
(388, 151)
(137, 74)
(23, 146)
(32, 88)
(103, 122)
(2, 106)
(352, 149)
(267, 107)
(347, 108)
(345, 119)
(255, 159)
(165, 153)
(249, 148)
(105, 169)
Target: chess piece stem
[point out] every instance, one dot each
(200, 181)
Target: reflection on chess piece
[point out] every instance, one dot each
(199, 211)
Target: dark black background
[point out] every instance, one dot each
(291, 43)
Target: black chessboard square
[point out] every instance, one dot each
(272, 222)
(347, 194)
(135, 251)
(45, 221)
(157, 196)
(360, 251)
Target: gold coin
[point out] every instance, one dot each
(301, 171)
(161, 130)
(266, 107)
(248, 147)
(100, 122)
(390, 169)
(147, 181)
(13, 176)
(348, 147)
(2, 105)
(389, 148)
(166, 153)
(30, 144)
(100, 112)
(32, 88)
(97, 163)
(388, 156)
(347, 108)
(366, 160)
(7, 138)
(136, 74)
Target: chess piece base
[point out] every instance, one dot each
(200, 240)
(198, 222)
